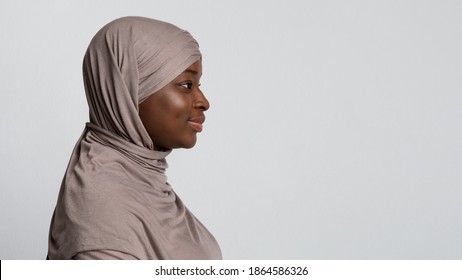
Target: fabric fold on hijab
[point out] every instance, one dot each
(114, 194)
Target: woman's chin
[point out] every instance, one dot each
(188, 143)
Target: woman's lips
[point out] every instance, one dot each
(196, 123)
(197, 127)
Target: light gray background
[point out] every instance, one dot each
(334, 130)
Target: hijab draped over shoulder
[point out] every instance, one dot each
(114, 195)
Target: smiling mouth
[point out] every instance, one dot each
(197, 127)
(196, 123)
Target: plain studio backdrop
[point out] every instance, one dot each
(334, 130)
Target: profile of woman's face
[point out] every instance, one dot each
(174, 115)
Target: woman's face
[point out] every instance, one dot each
(174, 115)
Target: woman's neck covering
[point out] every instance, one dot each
(114, 194)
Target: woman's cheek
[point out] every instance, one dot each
(180, 105)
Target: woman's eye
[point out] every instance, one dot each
(187, 85)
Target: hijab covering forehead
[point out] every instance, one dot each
(115, 195)
(128, 60)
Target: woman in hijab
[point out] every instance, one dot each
(141, 80)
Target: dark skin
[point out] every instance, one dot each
(174, 115)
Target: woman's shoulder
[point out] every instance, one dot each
(103, 255)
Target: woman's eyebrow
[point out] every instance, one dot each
(191, 71)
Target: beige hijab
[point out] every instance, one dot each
(114, 194)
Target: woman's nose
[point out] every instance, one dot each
(201, 102)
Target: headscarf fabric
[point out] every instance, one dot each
(115, 195)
